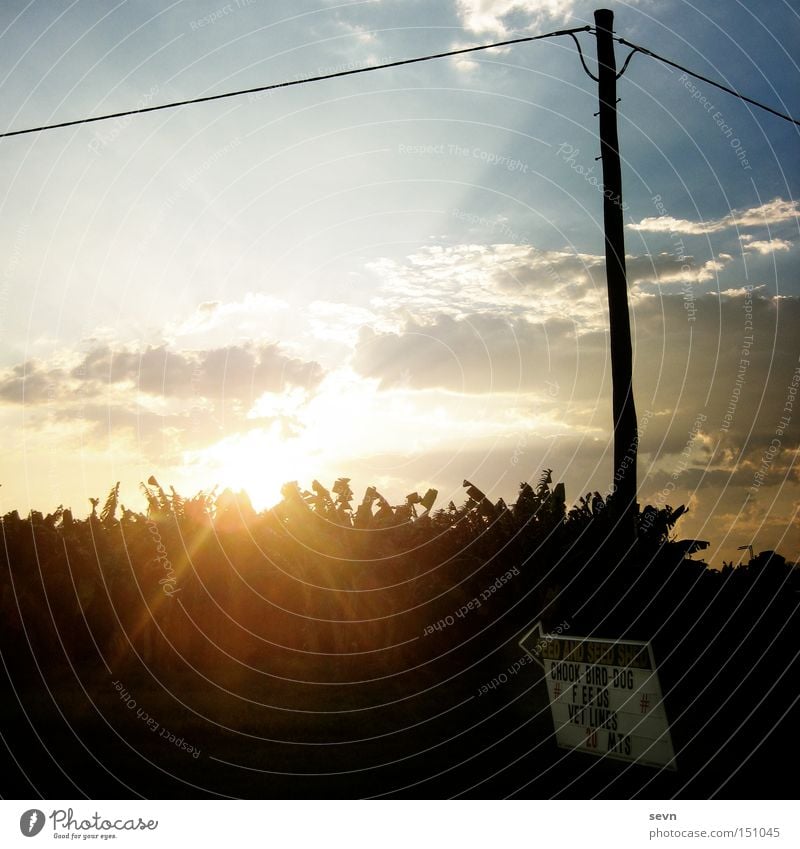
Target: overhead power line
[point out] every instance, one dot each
(289, 83)
(635, 48)
(646, 52)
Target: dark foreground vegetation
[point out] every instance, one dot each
(332, 649)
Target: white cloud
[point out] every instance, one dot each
(772, 212)
(764, 247)
(492, 16)
(512, 281)
(765, 215)
(669, 224)
(666, 268)
(497, 280)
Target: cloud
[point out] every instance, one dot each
(667, 268)
(750, 244)
(717, 387)
(468, 62)
(156, 403)
(687, 362)
(511, 322)
(29, 383)
(549, 364)
(238, 372)
(496, 280)
(475, 354)
(499, 16)
(255, 316)
(511, 280)
(733, 369)
(337, 322)
(774, 212)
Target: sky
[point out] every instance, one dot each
(398, 277)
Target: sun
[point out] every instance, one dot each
(258, 461)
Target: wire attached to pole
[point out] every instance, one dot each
(289, 83)
(580, 53)
(583, 62)
(646, 52)
(627, 60)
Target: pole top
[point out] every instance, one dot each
(604, 19)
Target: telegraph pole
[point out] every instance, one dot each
(625, 425)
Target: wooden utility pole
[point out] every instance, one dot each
(625, 426)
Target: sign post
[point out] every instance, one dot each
(605, 697)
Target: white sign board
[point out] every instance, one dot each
(605, 696)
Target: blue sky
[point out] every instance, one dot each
(396, 276)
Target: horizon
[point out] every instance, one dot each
(260, 512)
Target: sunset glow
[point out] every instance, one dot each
(363, 279)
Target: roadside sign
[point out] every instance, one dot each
(605, 696)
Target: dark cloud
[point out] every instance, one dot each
(480, 353)
(235, 373)
(718, 366)
(164, 402)
(544, 270)
(28, 383)
(569, 274)
(487, 353)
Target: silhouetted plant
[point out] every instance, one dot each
(108, 515)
